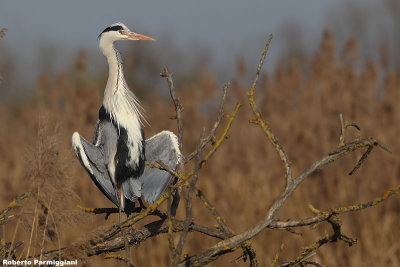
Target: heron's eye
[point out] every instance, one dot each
(121, 31)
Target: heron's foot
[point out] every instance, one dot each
(142, 206)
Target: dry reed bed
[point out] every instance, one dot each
(302, 101)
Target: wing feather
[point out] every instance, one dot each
(95, 158)
(162, 146)
(132, 189)
(92, 160)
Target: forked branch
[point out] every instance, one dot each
(264, 124)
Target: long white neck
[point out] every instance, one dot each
(116, 81)
(119, 101)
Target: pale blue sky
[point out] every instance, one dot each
(214, 22)
(225, 28)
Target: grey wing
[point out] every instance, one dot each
(132, 189)
(162, 146)
(94, 158)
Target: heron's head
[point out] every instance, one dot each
(118, 31)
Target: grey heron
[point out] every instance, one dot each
(115, 160)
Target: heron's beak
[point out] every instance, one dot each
(137, 36)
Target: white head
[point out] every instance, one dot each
(118, 31)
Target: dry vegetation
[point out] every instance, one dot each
(301, 101)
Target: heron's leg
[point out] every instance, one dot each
(119, 193)
(121, 206)
(175, 202)
(142, 206)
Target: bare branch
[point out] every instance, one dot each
(312, 263)
(224, 135)
(323, 216)
(265, 125)
(162, 166)
(260, 64)
(211, 135)
(135, 236)
(247, 249)
(178, 106)
(109, 211)
(342, 129)
(278, 253)
(13, 204)
(337, 235)
(188, 220)
(362, 160)
(118, 257)
(171, 244)
(178, 110)
(8, 250)
(221, 223)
